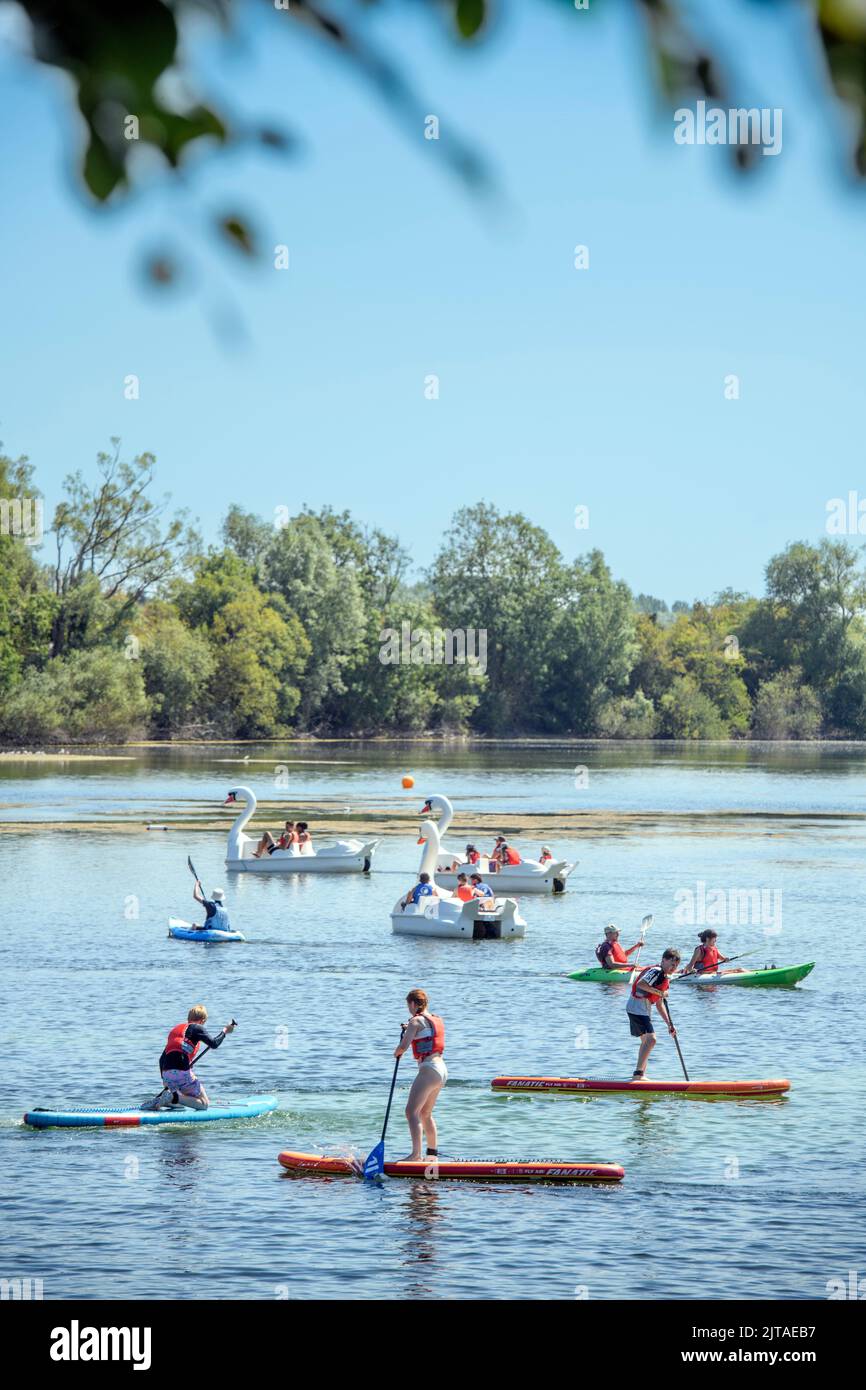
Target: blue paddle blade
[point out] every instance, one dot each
(374, 1164)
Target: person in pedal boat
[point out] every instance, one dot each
(609, 953)
(267, 842)
(472, 857)
(482, 890)
(425, 1034)
(179, 1053)
(650, 988)
(216, 918)
(423, 889)
(463, 891)
(706, 957)
(545, 857)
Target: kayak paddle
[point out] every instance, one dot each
(150, 1104)
(646, 923)
(374, 1164)
(677, 1041)
(192, 869)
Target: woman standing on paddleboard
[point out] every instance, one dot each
(425, 1034)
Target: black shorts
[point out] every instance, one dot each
(639, 1024)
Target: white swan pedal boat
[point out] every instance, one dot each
(450, 917)
(335, 857)
(530, 876)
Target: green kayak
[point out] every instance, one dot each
(769, 975)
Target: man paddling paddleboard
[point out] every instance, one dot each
(609, 953)
(650, 987)
(179, 1053)
(425, 1034)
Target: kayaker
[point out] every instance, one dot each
(706, 957)
(650, 988)
(423, 889)
(463, 891)
(179, 1053)
(217, 918)
(609, 952)
(425, 1034)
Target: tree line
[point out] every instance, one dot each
(119, 622)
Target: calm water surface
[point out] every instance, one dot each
(721, 1199)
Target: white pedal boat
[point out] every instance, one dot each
(334, 857)
(530, 876)
(488, 919)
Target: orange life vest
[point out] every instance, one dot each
(177, 1042)
(464, 893)
(434, 1044)
(709, 958)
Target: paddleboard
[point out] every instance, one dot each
(603, 1086)
(483, 1170)
(94, 1116)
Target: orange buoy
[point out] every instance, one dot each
(408, 782)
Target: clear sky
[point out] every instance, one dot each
(558, 387)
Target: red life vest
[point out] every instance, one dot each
(709, 958)
(511, 857)
(464, 893)
(434, 1044)
(473, 857)
(177, 1042)
(618, 953)
(663, 987)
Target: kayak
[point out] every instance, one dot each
(185, 931)
(602, 1086)
(95, 1116)
(768, 975)
(476, 1169)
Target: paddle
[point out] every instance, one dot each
(151, 1104)
(646, 923)
(677, 1041)
(192, 869)
(374, 1164)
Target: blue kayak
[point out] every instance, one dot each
(185, 931)
(94, 1116)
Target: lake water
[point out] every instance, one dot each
(750, 1199)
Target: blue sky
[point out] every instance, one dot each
(557, 388)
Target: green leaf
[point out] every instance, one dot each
(470, 16)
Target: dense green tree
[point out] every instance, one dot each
(299, 564)
(89, 696)
(686, 712)
(592, 647)
(114, 548)
(501, 574)
(786, 708)
(177, 664)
